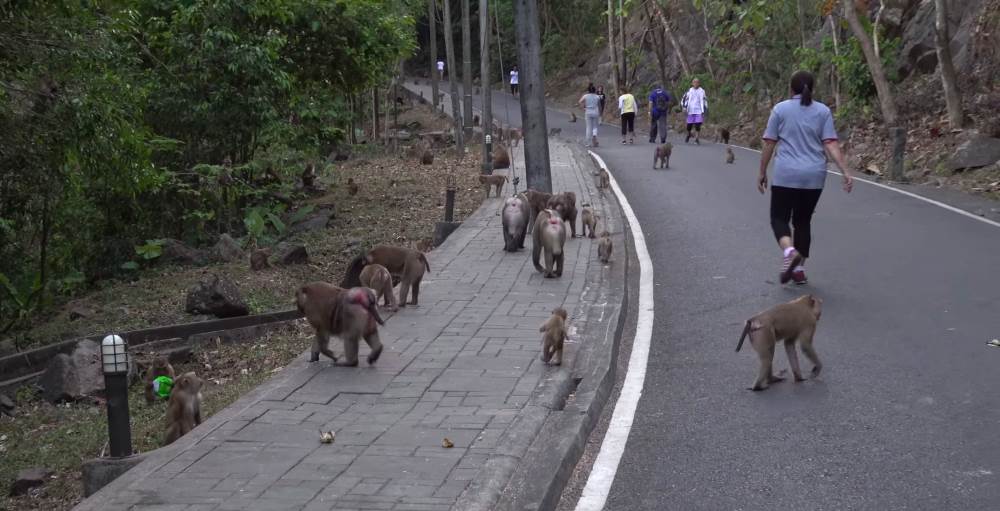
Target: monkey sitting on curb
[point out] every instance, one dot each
(184, 408)
(791, 322)
(604, 179)
(555, 336)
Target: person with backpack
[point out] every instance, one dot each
(695, 103)
(659, 108)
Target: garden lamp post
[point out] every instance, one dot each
(115, 362)
(449, 200)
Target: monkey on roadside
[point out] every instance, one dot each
(427, 158)
(352, 187)
(184, 407)
(495, 180)
(604, 179)
(572, 117)
(604, 247)
(515, 216)
(309, 176)
(351, 314)
(723, 136)
(405, 263)
(589, 220)
(555, 336)
(792, 322)
(537, 201)
(376, 277)
(661, 155)
(565, 206)
(501, 160)
(730, 157)
(555, 131)
(514, 136)
(475, 120)
(160, 367)
(549, 235)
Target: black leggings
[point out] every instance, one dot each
(795, 205)
(697, 127)
(628, 123)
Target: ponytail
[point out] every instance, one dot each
(807, 96)
(803, 83)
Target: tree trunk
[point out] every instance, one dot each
(612, 49)
(835, 73)
(621, 41)
(952, 95)
(375, 124)
(888, 104)
(466, 70)
(800, 12)
(449, 49)
(536, 142)
(710, 41)
(670, 35)
(486, 84)
(432, 20)
(658, 48)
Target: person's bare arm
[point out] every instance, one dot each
(833, 149)
(765, 160)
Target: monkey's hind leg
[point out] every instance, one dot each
(350, 351)
(416, 290)
(376, 346)
(321, 345)
(810, 353)
(404, 289)
(793, 359)
(559, 264)
(549, 263)
(763, 343)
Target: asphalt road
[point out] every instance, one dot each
(906, 414)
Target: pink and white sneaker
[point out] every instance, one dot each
(791, 260)
(799, 277)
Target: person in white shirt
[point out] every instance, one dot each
(514, 81)
(695, 103)
(441, 69)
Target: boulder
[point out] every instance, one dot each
(218, 296)
(77, 311)
(175, 251)
(317, 220)
(6, 404)
(73, 376)
(258, 259)
(59, 381)
(227, 249)
(289, 254)
(977, 151)
(86, 360)
(29, 478)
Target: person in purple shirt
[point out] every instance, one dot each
(804, 128)
(659, 107)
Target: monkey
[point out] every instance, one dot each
(792, 322)
(604, 179)
(184, 407)
(589, 220)
(309, 176)
(160, 367)
(662, 154)
(347, 313)
(259, 259)
(555, 336)
(536, 201)
(730, 157)
(723, 136)
(549, 234)
(565, 206)
(501, 160)
(405, 263)
(376, 277)
(514, 136)
(572, 117)
(475, 120)
(495, 180)
(515, 216)
(352, 187)
(555, 131)
(604, 247)
(427, 158)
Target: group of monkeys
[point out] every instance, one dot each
(661, 153)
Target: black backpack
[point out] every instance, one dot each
(662, 101)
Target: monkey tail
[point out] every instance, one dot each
(746, 332)
(423, 259)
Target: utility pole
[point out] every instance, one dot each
(529, 51)
(485, 82)
(449, 49)
(466, 70)
(432, 19)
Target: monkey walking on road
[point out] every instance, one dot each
(791, 322)
(555, 336)
(730, 157)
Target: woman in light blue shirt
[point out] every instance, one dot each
(805, 130)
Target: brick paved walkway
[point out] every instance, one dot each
(463, 365)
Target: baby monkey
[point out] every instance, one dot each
(555, 335)
(730, 157)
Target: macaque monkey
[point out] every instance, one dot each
(514, 136)
(604, 179)
(661, 155)
(352, 187)
(184, 407)
(347, 313)
(309, 176)
(572, 117)
(791, 322)
(376, 277)
(515, 216)
(225, 177)
(495, 180)
(730, 157)
(604, 247)
(405, 263)
(589, 221)
(555, 131)
(475, 120)
(501, 160)
(160, 367)
(536, 201)
(555, 336)
(549, 235)
(564, 205)
(723, 136)
(427, 158)
(258, 259)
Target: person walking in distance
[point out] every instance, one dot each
(441, 70)
(695, 103)
(626, 105)
(591, 104)
(805, 129)
(659, 108)
(514, 81)
(600, 94)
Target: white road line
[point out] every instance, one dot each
(939, 204)
(595, 493)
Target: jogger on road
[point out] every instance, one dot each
(626, 104)
(591, 103)
(805, 129)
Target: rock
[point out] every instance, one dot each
(74, 376)
(227, 249)
(59, 382)
(78, 311)
(6, 404)
(218, 296)
(258, 259)
(917, 53)
(98, 472)
(29, 478)
(317, 220)
(175, 251)
(978, 151)
(289, 254)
